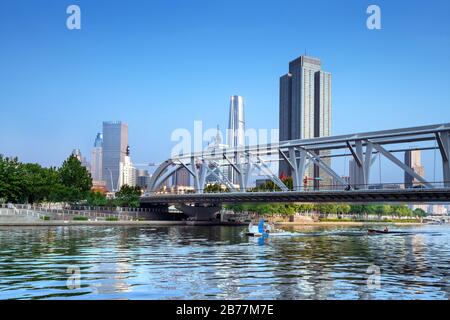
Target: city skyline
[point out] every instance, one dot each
(362, 89)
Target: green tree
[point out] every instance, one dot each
(41, 183)
(12, 182)
(96, 199)
(214, 188)
(76, 179)
(128, 196)
(419, 212)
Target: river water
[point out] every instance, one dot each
(182, 262)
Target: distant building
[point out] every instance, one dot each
(115, 142)
(99, 186)
(142, 179)
(97, 158)
(236, 130)
(424, 207)
(181, 189)
(182, 178)
(261, 182)
(79, 156)
(437, 209)
(216, 147)
(127, 172)
(381, 186)
(413, 160)
(305, 108)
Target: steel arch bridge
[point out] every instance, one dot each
(299, 154)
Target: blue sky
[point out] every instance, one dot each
(161, 64)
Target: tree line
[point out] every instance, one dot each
(71, 183)
(328, 208)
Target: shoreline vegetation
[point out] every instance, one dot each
(357, 211)
(69, 184)
(336, 211)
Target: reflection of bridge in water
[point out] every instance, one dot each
(362, 148)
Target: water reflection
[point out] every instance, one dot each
(220, 263)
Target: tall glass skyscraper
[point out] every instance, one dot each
(115, 142)
(236, 129)
(305, 105)
(96, 158)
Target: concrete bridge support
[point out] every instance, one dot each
(200, 212)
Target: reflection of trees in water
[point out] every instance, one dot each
(214, 246)
(402, 256)
(307, 265)
(108, 277)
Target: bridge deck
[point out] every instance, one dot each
(441, 195)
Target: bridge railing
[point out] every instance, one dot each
(42, 212)
(312, 188)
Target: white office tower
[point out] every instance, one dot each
(236, 130)
(97, 158)
(127, 172)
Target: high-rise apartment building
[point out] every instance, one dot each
(115, 142)
(96, 158)
(305, 107)
(236, 129)
(413, 160)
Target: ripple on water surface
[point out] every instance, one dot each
(180, 262)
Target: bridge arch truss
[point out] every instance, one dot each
(299, 154)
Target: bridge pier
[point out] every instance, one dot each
(200, 212)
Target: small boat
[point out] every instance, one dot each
(264, 230)
(256, 231)
(373, 231)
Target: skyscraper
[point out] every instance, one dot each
(413, 160)
(115, 142)
(236, 129)
(96, 158)
(142, 179)
(216, 147)
(305, 105)
(127, 172)
(77, 154)
(182, 178)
